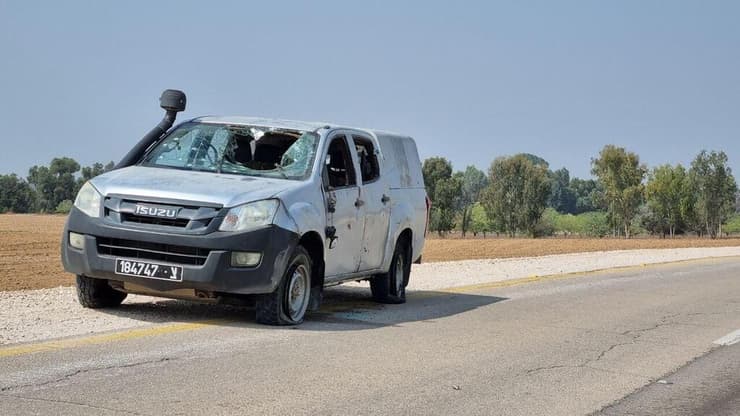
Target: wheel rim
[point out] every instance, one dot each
(399, 275)
(297, 293)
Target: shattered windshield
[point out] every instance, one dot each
(242, 150)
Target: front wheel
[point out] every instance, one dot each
(287, 305)
(97, 293)
(391, 287)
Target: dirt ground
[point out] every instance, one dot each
(29, 249)
(29, 252)
(440, 249)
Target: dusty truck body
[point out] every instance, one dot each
(238, 209)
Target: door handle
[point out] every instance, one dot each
(359, 203)
(385, 198)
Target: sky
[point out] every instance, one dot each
(470, 81)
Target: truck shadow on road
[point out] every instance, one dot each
(352, 308)
(349, 308)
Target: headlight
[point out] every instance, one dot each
(249, 216)
(88, 200)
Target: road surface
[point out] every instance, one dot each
(609, 342)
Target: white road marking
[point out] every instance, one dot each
(729, 339)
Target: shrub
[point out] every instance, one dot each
(64, 207)
(546, 225)
(593, 224)
(733, 225)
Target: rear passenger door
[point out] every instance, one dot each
(375, 203)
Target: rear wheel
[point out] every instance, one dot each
(391, 287)
(96, 293)
(287, 305)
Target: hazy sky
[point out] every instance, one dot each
(470, 81)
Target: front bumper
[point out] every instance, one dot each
(215, 275)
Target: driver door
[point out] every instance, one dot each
(344, 228)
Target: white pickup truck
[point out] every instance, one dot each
(239, 209)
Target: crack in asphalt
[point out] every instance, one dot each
(84, 371)
(634, 334)
(86, 405)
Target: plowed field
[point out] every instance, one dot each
(29, 252)
(29, 249)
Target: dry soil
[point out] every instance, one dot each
(29, 249)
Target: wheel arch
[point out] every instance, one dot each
(314, 245)
(406, 237)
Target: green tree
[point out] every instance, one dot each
(621, 175)
(89, 172)
(43, 185)
(54, 184)
(715, 190)
(586, 193)
(479, 222)
(447, 197)
(666, 193)
(517, 194)
(473, 181)
(15, 194)
(562, 197)
(536, 160)
(434, 170)
(444, 191)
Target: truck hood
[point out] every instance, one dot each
(226, 190)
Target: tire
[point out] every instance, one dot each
(287, 305)
(96, 293)
(390, 288)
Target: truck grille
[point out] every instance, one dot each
(152, 251)
(171, 222)
(189, 218)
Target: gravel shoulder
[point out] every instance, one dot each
(33, 315)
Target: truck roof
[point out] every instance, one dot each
(286, 124)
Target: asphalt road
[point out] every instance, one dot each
(610, 342)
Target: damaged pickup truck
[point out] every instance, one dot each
(240, 210)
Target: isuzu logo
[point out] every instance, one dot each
(151, 211)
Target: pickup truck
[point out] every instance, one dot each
(249, 210)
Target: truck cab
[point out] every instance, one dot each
(241, 209)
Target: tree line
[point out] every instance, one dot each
(521, 195)
(47, 189)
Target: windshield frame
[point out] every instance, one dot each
(277, 173)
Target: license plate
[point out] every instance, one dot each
(150, 270)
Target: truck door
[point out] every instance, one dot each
(375, 204)
(344, 228)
